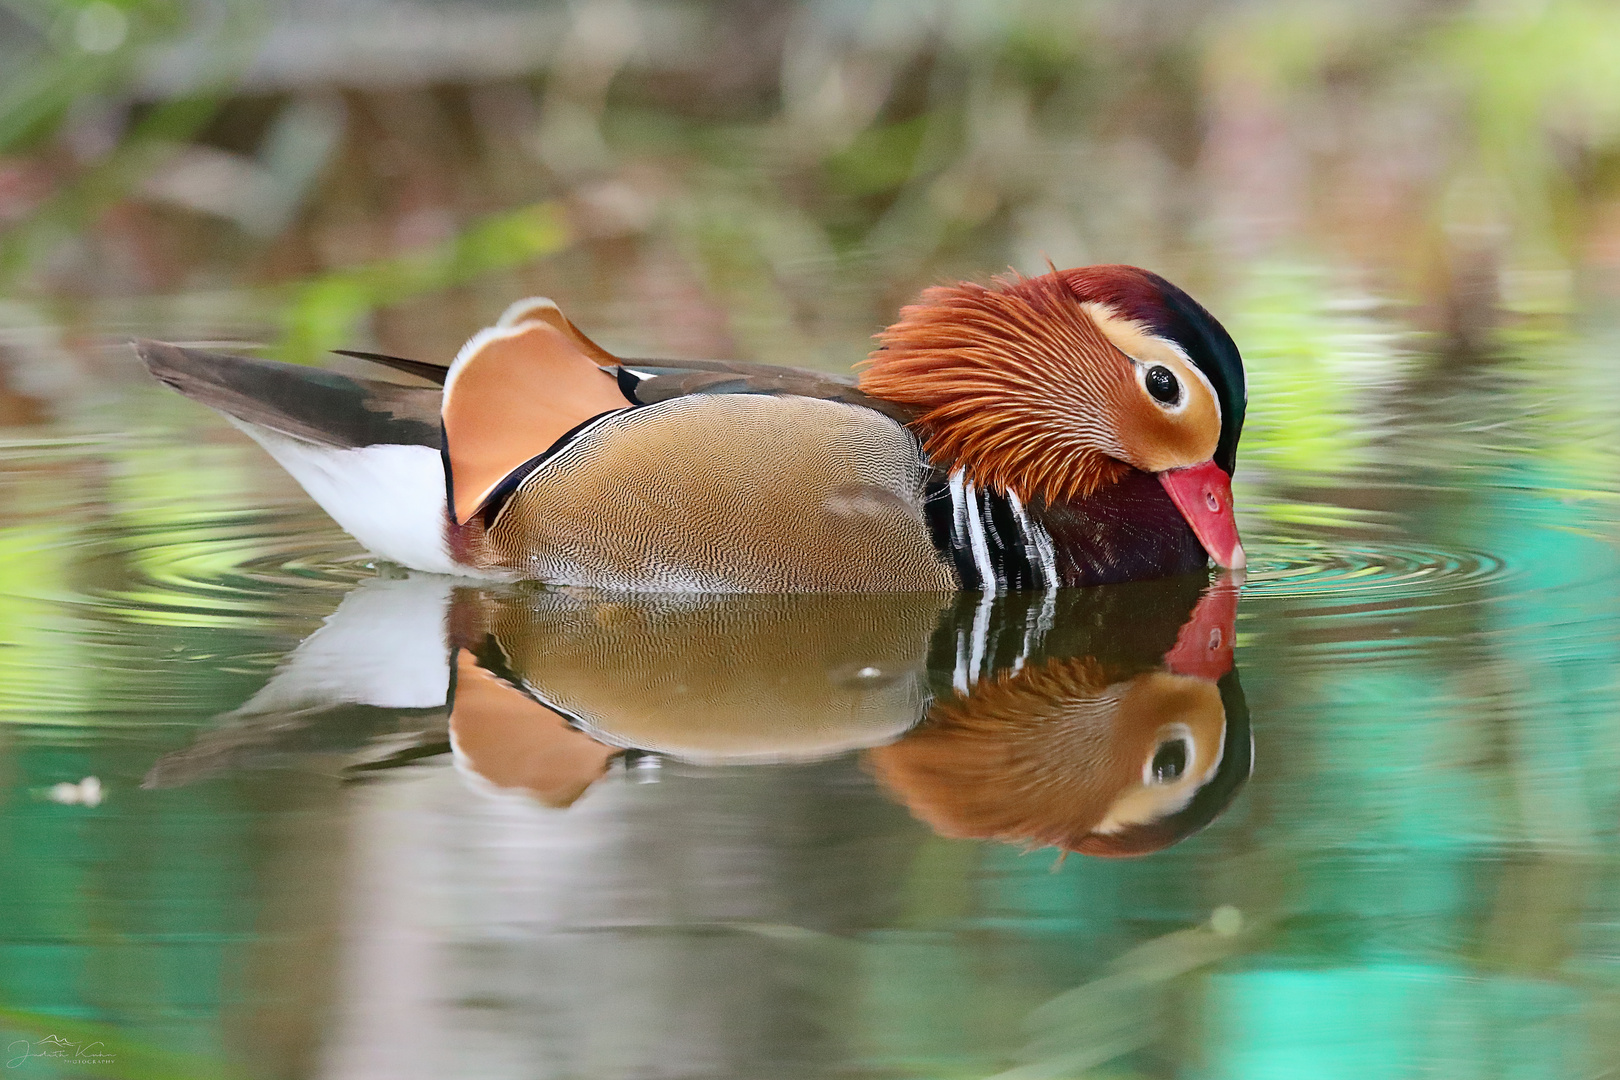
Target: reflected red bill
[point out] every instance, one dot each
(1204, 646)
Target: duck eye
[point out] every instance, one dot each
(1162, 384)
(1169, 761)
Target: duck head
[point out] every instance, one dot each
(1054, 387)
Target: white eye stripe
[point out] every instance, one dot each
(1196, 372)
(1214, 398)
(1187, 368)
(1133, 339)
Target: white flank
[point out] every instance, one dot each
(388, 497)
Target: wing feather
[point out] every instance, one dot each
(321, 407)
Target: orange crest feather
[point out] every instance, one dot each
(1018, 386)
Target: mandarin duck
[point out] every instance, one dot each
(1075, 428)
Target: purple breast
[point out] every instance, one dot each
(1126, 532)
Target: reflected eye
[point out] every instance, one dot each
(1162, 384)
(1169, 762)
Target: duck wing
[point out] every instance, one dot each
(650, 381)
(368, 452)
(321, 407)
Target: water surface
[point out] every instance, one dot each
(812, 838)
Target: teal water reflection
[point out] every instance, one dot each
(269, 879)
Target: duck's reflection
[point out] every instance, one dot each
(1105, 721)
(1124, 732)
(714, 679)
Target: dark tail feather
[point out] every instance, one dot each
(304, 402)
(433, 373)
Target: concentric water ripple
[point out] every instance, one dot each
(240, 565)
(246, 563)
(1362, 571)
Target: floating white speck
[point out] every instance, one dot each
(86, 792)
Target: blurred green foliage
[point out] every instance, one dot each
(864, 149)
(325, 311)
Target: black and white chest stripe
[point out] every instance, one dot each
(990, 539)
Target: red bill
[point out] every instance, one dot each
(1203, 494)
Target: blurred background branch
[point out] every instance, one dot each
(771, 181)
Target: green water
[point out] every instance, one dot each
(1420, 878)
